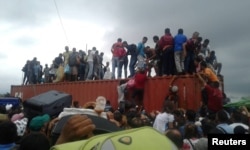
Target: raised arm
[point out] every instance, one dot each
(204, 83)
(172, 81)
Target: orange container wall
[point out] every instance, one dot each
(156, 90)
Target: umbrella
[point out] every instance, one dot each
(244, 101)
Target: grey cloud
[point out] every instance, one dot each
(25, 41)
(27, 12)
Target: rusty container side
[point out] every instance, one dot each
(156, 90)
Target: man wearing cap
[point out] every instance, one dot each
(39, 123)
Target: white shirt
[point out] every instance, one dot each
(161, 121)
(205, 50)
(233, 125)
(120, 90)
(91, 56)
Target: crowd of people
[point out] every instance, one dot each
(172, 55)
(187, 129)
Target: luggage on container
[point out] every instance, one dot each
(51, 103)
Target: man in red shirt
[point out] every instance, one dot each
(189, 49)
(214, 95)
(166, 45)
(138, 91)
(115, 58)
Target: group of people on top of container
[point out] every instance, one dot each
(172, 55)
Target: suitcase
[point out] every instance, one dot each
(51, 103)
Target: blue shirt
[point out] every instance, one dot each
(226, 127)
(179, 39)
(140, 48)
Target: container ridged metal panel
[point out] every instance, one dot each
(156, 90)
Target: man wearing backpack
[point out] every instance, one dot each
(74, 62)
(132, 51)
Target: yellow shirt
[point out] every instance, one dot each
(210, 74)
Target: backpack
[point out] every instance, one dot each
(72, 59)
(135, 139)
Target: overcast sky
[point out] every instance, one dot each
(32, 28)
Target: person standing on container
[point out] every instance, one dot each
(141, 53)
(115, 57)
(74, 61)
(166, 44)
(90, 61)
(66, 55)
(25, 71)
(132, 51)
(189, 53)
(179, 39)
(158, 56)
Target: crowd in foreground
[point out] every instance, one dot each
(187, 129)
(171, 55)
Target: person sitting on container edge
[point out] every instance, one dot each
(212, 59)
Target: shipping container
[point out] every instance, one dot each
(156, 89)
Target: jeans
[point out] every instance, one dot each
(81, 71)
(132, 63)
(168, 62)
(218, 66)
(179, 61)
(90, 72)
(125, 66)
(189, 62)
(97, 71)
(115, 63)
(123, 62)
